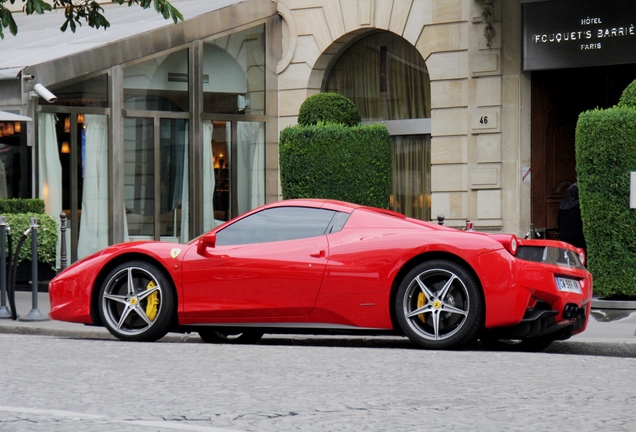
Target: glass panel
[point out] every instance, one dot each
(159, 84)
(92, 92)
(250, 166)
(174, 171)
(139, 176)
(221, 157)
(94, 223)
(385, 76)
(234, 73)
(15, 161)
(69, 153)
(411, 176)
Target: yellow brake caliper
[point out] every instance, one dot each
(152, 305)
(421, 301)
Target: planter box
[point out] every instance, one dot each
(23, 276)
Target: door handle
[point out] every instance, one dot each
(320, 254)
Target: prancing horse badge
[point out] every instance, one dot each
(175, 252)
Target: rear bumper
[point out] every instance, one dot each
(541, 307)
(542, 320)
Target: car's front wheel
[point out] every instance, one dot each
(136, 302)
(439, 305)
(246, 337)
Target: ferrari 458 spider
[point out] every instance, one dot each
(320, 266)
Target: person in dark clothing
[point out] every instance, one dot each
(570, 223)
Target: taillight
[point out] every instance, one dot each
(582, 256)
(513, 245)
(509, 241)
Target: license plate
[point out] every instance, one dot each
(568, 285)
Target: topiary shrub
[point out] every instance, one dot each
(605, 155)
(328, 108)
(628, 98)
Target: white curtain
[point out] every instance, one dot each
(3, 181)
(185, 193)
(93, 234)
(208, 178)
(251, 165)
(50, 170)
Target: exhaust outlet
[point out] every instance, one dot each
(570, 311)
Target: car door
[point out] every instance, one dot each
(269, 264)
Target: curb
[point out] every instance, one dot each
(599, 303)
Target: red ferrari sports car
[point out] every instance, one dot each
(321, 266)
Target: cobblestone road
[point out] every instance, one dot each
(58, 384)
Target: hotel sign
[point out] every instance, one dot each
(560, 34)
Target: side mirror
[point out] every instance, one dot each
(206, 241)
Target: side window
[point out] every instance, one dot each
(278, 224)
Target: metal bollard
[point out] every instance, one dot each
(4, 310)
(34, 314)
(440, 219)
(63, 259)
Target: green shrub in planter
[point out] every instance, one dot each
(46, 236)
(328, 108)
(605, 155)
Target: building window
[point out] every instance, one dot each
(234, 73)
(158, 84)
(387, 79)
(156, 165)
(234, 127)
(73, 141)
(15, 161)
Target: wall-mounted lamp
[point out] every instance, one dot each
(66, 149)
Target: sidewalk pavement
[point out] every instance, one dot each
(613, 322)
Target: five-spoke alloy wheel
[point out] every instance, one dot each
(136, 302)
(439, 305)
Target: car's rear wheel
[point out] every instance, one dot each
(217, 336)
(136, 302)
(439, 305)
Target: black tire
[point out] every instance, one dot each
(439, 305)
(218, 336)
(536, 344)
(137, 302)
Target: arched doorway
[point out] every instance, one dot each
(388, 80)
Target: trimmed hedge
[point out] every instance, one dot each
(336, 162)
(21, 205)
(328, 108)
(605, 155)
